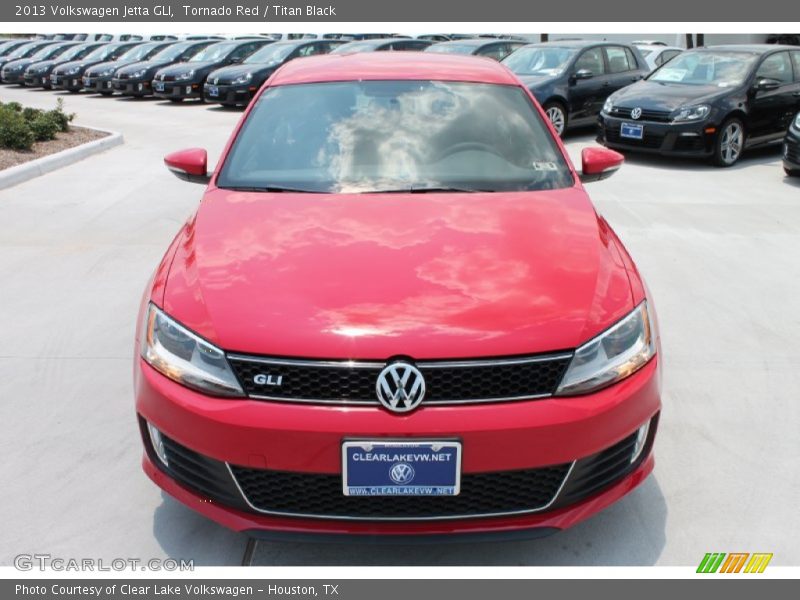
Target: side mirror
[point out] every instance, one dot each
(189, 165)
(582, 74)
(599, 163)
(766, 83)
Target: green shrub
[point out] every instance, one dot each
(31, 113)
(15, 132)
(15, 106)
(44, 127)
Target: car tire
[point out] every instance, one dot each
(106, 94)
(729, 145)
(176, 100)
(557, 115)
(791, 172)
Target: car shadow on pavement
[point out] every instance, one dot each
(630, 532)
(757, 156)
(185, 534)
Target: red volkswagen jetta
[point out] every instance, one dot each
(396, 312)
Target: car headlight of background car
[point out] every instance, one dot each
(72, 71)
(106, 72)
(613, 355)
(181, 355)
(243, 79)
(137, 74)
(185, 76)
(608, 106)
(692, 113)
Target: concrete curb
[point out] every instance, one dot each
(40, 166)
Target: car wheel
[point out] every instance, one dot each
(730, 143)
(791, 172)
(106, 94)
(176, 100)
(557, 115)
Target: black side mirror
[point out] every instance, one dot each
(582, 74)
(766, 83)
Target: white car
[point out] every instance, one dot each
(656, 55)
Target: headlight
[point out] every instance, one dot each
(139, 73)
(613, 355)
(185, 76)
(179, 354)
(692, 113)
(796, 123)
(608, 106)
(72, 71)
(243, 78)
(106, 73)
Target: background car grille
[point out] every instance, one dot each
(658, 116)
(445, 381)
(321, 495)
(650, 140)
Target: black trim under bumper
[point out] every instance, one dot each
(177, 89)
(230, 95)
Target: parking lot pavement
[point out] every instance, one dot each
(718, 248)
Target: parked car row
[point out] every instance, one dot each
(713, 102)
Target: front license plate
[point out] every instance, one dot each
(87, 81)
(380, 468)
(632, 130)
(159, 86)
(213, 91)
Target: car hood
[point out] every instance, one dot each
(183, 67)
(100, 67)
(652, 95)
(147, 64)
(374, 276)
(537, 81)
(228, 74)
(20, 62)
(81, 64)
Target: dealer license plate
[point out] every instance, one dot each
(390, 468)
(159, 86)
(632, 130)
(213, 90)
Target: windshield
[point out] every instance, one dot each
(394, 136)
(722, 69)
(101, 53)
(22, 51)
(140, 52)
(174, 51)
(538, 60)
(448, 48)
(272, 53)
(351, 47)
(214, 52)
(77, 51)
(49, 52)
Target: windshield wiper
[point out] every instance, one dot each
(428, 190)
(268, 189)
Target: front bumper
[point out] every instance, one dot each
(36, 80)
(669, 139)
(177, 89)
(132, 87)
(791, 150)
(306, 440)
(97, 85)
(12, 77)
(231, 95)
(72, 83)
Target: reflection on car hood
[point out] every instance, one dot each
(228, 74)
(373, 276)
(147, 64)
(534, 81)
(185, 67)
(651, 95)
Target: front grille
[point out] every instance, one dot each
(481, 494)
(446, 382)
(123, 76)
(656, 116)
(650, 140)
(793, 153)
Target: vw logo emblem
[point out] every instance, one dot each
(400, 387)
(401, 473)
(636, 113)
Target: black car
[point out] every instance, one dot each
(25, 50)
(14, 70)
(38, 74)
(98, 77)
(137, 79)
(572, 79)
(709, 102)
(8, 46)
(791, 149)
(69, 76)
(235, 85)
(383, 45)
(184, 81)
(490, 48)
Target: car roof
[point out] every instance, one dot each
(424, 66)
(578, 43)
(474, 42)
(752, 48)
